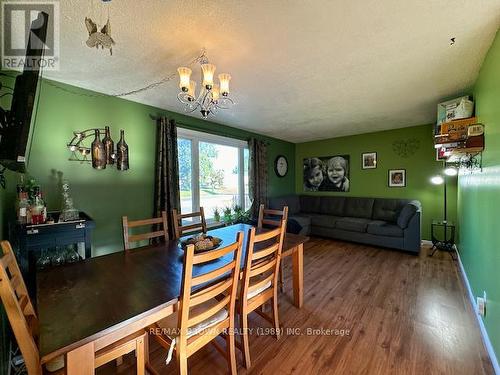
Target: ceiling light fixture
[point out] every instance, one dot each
(211, 96)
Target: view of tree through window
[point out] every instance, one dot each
(210, 175)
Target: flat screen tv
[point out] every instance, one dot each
(15, 124)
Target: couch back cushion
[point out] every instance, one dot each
(310, 204)
(332, 206)
(388, 209)
(359, 207)
(291, 201)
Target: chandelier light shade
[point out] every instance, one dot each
(211, 97)
(208, 75)
(184, 78)
(224, 79)
(215, 92)
(192, 90)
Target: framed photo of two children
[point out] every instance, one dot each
(329, 173)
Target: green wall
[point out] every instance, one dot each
(420, 167)
(479, 199)
(108, 194)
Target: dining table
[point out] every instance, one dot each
(88, 305)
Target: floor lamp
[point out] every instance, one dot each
(446, 244)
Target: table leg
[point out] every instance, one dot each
(298, 276)
(80, 361)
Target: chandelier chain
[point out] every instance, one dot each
(198, 59)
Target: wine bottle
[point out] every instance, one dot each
(98, 152)
(109, 147)
(122, 153)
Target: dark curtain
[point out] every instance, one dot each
(258, 174)
(167, 195)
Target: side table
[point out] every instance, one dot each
(445, 240)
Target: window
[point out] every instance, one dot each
(213, 172)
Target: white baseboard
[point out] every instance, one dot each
(484, 333)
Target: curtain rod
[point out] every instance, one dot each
(188, 126)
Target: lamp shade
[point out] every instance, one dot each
(215, 93)
(450, 171)
(224, 79)
(208, 75)
(192, 89)
(437, 180)
(184, 77)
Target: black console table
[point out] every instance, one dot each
(447, 241)
(31, 240)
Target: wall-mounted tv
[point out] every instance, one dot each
(15, 124)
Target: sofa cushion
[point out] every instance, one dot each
(309, 204)
(406, 214)
(292, 201)
(359, 207)
(383, 228)
(302, 220)
(353, 224)
(332, 206)
(387, 209)
(327, 221)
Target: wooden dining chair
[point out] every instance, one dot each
(260, 278)
(273, 218)
(24, 323)
(159, 222)
(181, 229)
(206, 306)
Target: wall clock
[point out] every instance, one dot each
(281, 166)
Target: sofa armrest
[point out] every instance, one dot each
(412, 234)
(407, 212)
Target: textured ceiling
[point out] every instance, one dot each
(302, 70)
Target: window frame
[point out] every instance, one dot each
(195, 137)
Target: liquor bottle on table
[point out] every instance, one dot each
(22, 206)
(38, 209)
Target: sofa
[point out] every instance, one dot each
(392, 223)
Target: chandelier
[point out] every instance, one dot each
(211, 96)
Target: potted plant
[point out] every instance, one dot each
(227, 215)
(240, 215)
(217, 216)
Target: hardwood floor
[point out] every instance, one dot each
(394, 313)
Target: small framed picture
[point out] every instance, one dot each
(397, 177)
(369, 160)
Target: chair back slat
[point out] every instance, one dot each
(209, 312)
(263, 267)
(265, 252)
(270, 217)
(261, 283)
(19, 309)
(220, 286)
(212, 275)
(263, 255)
(208, 256)
(129, 239)
(181, 229)
(209, 293)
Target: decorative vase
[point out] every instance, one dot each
(98, 152)
(109, 147)
(122, 153)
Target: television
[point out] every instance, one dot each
(15, 123)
